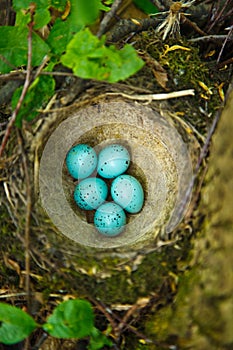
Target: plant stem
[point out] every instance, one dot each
(26, 83)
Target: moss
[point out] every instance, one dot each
(186, 69)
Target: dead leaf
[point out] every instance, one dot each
(161, 78)
(159, 72)
(12, 264)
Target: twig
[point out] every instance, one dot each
(218, 15)
(26, 83)
(27, 223)
(202, 156)
(154, 97)
(225, 63)
(209, 38)
(132, 329)
(104, 311)
(224, 44)
(192, 24)
(107, 18)
(127, 26)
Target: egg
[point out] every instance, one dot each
(90, 193)
(110, 219)
(113, 161)
(81, 161)
(127, 191)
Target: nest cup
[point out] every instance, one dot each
(159, 160)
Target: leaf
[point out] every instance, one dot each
(146, 6)
(42, 14)
(15, 324)
(123, 63)
(58, 4)
(39, 93)
(82, 12)
(71, 319)
(14, 48)
(98, 340)
(85, 12)
(41, 18)
(61, 33)
(24, 4)
(91, 59)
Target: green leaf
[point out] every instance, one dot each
(24, 4)
(146, 6)
(61, 33)
(41, 18)
(60, 5)
(14, 48)
(123, 63)
(42, 14)
(98, 340)
(22, 19)
(85, 12)
(103, 6)
(38, 94)
(15, 324)
(89, 58)
(71, 319)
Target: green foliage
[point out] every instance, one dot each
(15, 324)
(39, 93)
(71, 319)
(146, 6)
(98, 340)
(42, 14)
(69, 42)
(90, 58)
(13, 47)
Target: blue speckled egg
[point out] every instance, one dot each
(110, 219)
(113, 161)
(90, 193)
(81, 161)
(128, 193)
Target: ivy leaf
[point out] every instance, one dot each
(89, 58)
(71, 319)
(38, 94)
(14, 48)
(15, 324)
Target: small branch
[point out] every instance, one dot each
(209, 38)
(126, 26)
(154, 97)
(224, 44)
(192, 24)
(25, 87)
(203, 154)
(107, 18)
(225, 63)
(27, 223)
